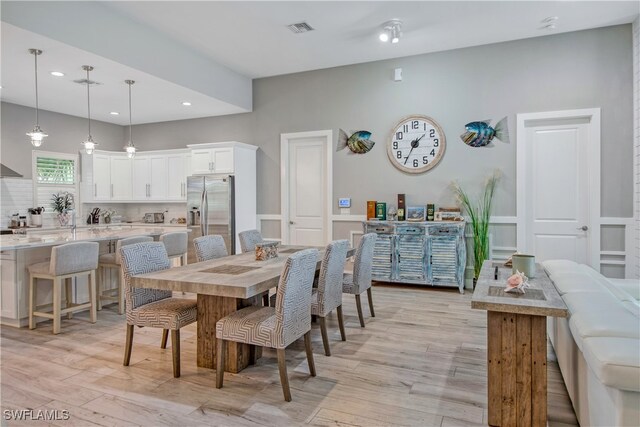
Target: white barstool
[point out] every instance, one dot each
(67, 261)
(114, 261)
(176, 245)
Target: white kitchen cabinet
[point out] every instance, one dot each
(177, 177)
(213, 160)
(140, 178)
(121, 173)
(101, 177)
(150, 177)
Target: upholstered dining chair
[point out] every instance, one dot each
(275, 327)
(67, 261)
(360, 280)
(176, 244)
(328, 295)
(248, 240)
(150, 307)
(113, 261)
(209, 247)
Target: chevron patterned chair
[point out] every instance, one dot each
(275, 327)
(113, 261)
(209, 247)
(150, 307)
(67, 261)
(360, 280)
(248, 240)
(328, 295)
(176, 244)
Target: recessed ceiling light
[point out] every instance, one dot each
(186, 103)
(549, 27)
(57, 74)
(114, 113)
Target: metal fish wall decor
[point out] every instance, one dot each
(358, 142)
(480, 134)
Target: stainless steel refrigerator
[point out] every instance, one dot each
(211, 210)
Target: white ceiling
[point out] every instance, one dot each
(246, 38)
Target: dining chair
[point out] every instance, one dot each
(328, 295)
(176, 244)
(248, 240)
(67, 261)
(113, 261)
(151, 307)
(360, 280)
(209, 247)
(275, 327)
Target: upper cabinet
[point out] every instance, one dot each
(148, 177)
(219, 157)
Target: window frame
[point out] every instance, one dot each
(59, 156)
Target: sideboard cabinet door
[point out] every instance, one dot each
(411, 252)
(383, 258)
(444, 260)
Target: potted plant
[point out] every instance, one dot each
(107, 214)
(479, 213)
(36, 216)
(62, 203)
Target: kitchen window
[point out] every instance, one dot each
(54, 173)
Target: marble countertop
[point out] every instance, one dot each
(59, 236)
(540, 299)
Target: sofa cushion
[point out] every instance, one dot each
(614, 360)
(577, 281)
(555, 266)
(630, 286)
(589, 302)
(603, 323)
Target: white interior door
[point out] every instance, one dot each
(306, 218)
(556, 189)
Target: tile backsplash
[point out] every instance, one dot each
(16, 196)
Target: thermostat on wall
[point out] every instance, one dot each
(344, 202)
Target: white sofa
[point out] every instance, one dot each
(598, 345)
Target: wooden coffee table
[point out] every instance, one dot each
(517, 345)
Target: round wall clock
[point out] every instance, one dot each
(416, 145)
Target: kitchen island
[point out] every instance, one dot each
(17, 252)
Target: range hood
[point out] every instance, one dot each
(6, 172)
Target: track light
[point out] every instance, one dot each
(391, 31)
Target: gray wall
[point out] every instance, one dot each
(65, 135)
(575, 70)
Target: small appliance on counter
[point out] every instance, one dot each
(153, 218)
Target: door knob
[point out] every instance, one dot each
(583, 228)
(291, 222)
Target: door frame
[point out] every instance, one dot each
(593, 184)
(285, 138)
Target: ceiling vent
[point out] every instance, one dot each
(301, 27)
(85, 82)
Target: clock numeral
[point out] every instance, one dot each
(415, 163)
(432, 133)
(425, 126)
(399, 135)
(399, 154)
(436, 142)
(414, 124)
(405, 128)
(425, 160)
(395, 145)
(433, 152)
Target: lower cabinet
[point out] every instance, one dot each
(426, 253)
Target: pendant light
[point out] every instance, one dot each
(130, 148)
(37, 135)
(89, 144)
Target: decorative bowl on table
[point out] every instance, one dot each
(266, 250)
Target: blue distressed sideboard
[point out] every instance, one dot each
(423, 253)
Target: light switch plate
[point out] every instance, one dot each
(344, 202)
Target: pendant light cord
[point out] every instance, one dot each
(88, 102)
(130, 131)
(35, 55)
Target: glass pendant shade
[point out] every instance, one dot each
(89, 145)
(131, 150)
(37, 136)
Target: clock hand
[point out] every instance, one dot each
(414, 144)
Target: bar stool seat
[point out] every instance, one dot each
(67, 262)
(114, 261)
(176, 244)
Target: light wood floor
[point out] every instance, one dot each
(421, 361)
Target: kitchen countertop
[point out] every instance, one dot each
(36, 238)
(540, 299)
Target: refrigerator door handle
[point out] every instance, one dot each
(206, 214)
(202, 221)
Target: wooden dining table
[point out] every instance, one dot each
(224, 285)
